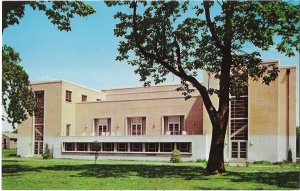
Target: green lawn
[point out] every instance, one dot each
(66, 174)
(8, 153)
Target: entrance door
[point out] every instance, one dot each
(239, 150)
(38, 148)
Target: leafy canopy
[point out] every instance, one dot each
(17, 98)
(58, 12)
(181, 38)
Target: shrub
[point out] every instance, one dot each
(47, 152)
(96, 147)
(289, 156)
(176, 156)
(262, 162)
(201, 161)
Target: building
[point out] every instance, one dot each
(9, 140)
(147, 123)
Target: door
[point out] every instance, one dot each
(38, 147)
(239, 150)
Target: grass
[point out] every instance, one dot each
(7, 153)
(68, 174)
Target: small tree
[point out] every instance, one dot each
(289, 156)
(176, 156)
(47, 152)
(96, 147)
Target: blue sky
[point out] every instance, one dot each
(86, 55)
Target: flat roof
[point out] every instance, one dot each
(64, 81)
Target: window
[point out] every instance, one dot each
(98, 99)
(83, 98)
(174, 125)
(183, 147)
(136, 147)
(82, 146)
(108, 146)
(136, 125)
(68, 96)
(38, 147)
(14, 140)
(39, 123)
(39, 117)
(102, 126)
(39, 132)
(166, 147)
(69, 146)
(122, 147)
(68, 129)
(151, 147)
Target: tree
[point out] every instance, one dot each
(182, 38)
(58, 12)
(96, 148)
(17, 99)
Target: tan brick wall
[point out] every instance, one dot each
(263, 107)
(68, 108)
(52, 110)
(152, 92)
(153, 109)
(58, 112)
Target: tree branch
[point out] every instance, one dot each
(211, 26)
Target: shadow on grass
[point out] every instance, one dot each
(280, 179)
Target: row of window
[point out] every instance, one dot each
(173, 125)
(69, 97)
(129, 147)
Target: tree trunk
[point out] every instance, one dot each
(215, 163)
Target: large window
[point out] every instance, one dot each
(122, 147)
(151, 147)
(103, 126)
(136, 147)
(183, 147)
(166, 147)
(69, 146)
(82, 147)
(136, 125)
(108, 146)
(39, 123)
(174, 125)
(68, 96)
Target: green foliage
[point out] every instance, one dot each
(175, 37)
(96, 148)
(176, 156)
(15, 131)
(17, 98)
(262, 162)
(47, 152)
(181, 38)
(59, 13)
(289, 156)
(201, 161)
